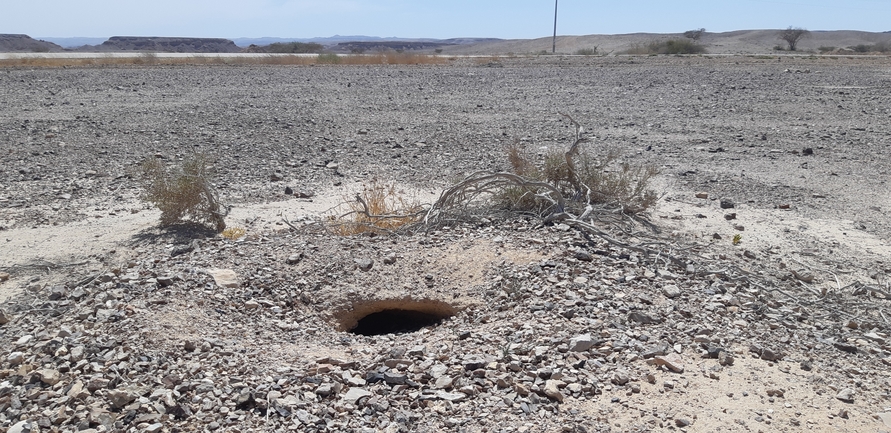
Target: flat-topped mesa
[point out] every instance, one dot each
(170, 45)
(24, 43)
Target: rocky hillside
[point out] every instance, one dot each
(20, 43)
(167, 45)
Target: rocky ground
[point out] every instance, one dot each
(110, 323)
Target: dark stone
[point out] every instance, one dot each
(727, 203)
(245, 401)
(643, 318)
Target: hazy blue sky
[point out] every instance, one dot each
(435, 19)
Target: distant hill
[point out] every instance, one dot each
(735, 42)
(24, 43)
(338, 39)
(74, 42)
(164, 45)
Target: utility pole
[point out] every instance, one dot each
(554, 47)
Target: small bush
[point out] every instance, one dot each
(183, 192)
(881, 47)
(671, 46)
(233, 233)
(328, 59)
(587, 52)
(294, 48)
(380, 207)
(824, 49)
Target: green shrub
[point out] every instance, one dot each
(328, 59)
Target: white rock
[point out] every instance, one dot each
(581, 343)
(224, 277)
(354, 394)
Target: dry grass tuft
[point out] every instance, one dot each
(233, 233)
(183, 192)
(380, 207)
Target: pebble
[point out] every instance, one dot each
(3, 277)
(581, 343)
(672, 361)
(224, 277)
(364, 264)
(846, 395)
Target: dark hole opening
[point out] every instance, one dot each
(395, 322)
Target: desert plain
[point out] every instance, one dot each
(111, 323)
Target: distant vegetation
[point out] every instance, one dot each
(792, 36)
(295, 47)
(881, 47)
(587, 52)
(671, 46)
(694, 34)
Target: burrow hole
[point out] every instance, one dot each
(394, 316)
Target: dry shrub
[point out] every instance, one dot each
(590, 179)
(183, 192)
(380, 207)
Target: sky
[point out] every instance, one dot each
(506, 19)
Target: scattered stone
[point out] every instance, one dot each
(682, 422)
(224, 277)
(730, 216)
(725, 358)
(23, 427)
(846, 395)
(807, 151)
(672, 361)
(581, 343)
(15, 358)
(749, 254)
(251, 304)
(355, 394)
(3, 276)
(120, 397)
(642, 318)
(727, 203)
(702, 195)
(671, 291)
(49, 376)
(364, 264)
(4, 318)
(276, 176)
(552, 389)
(293, 259)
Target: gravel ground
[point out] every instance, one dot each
(546, 330)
